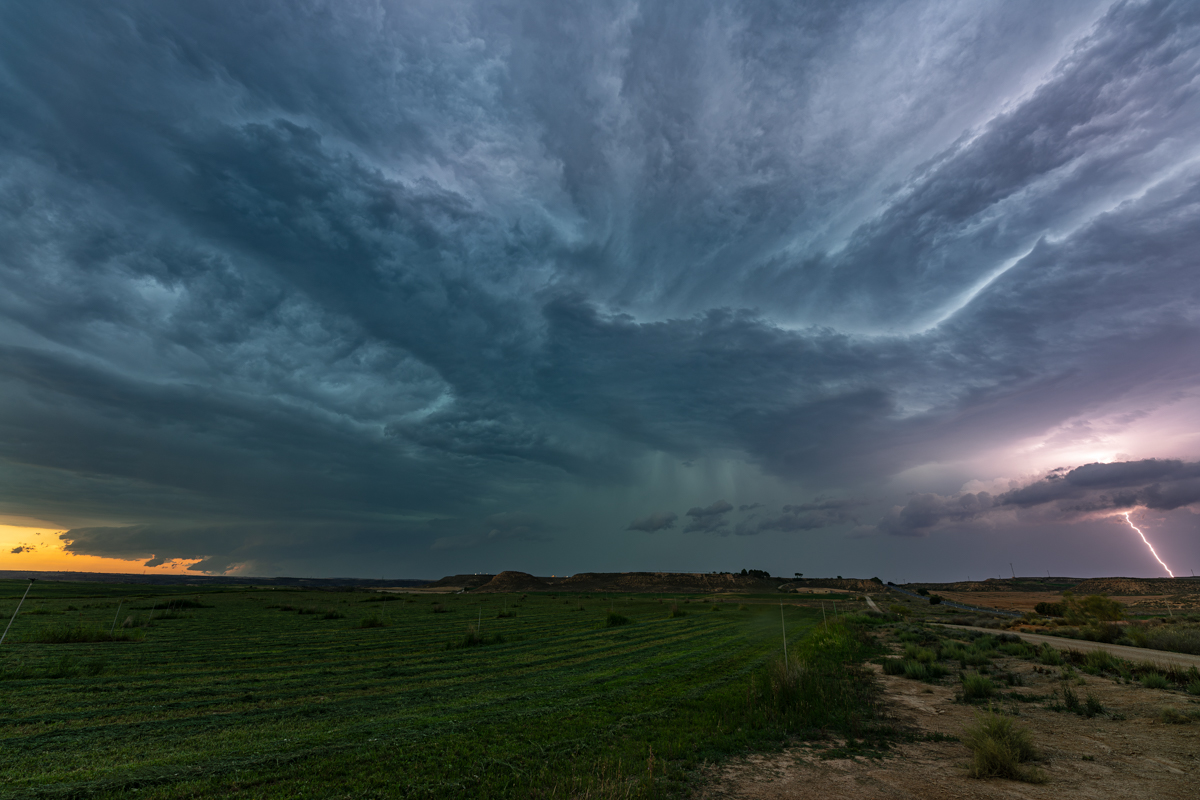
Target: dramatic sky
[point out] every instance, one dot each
(351, 287)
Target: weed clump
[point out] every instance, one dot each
(614, 619)
(1000, 750)
(472, 638)
(1155, 680)
(676, 611)
(976, 687)
(1050, 656)
(506, 614)
(333, 615)
(438, 608)
(373, 621)
(893, 666)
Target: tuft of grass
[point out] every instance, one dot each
(1193, 687)
(472, 638)
(1092, 706)
(976, 687)
(999, 749)
(921, 654)
(1174, 716)
(506, 615)
(438, 608)
(373, 621)
(676, 611)
(333, 615)
(1050, 656)
(67, 634)
(1070, 700)
(614, 619)
(893, 666)
(1155, 680)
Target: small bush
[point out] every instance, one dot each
(1050, 656)
(1193, 687)
(935, 600)
(893, 666)
(1092, 706)
(920, 654)
(373, 621)
(676, 611)
(506, 615)
(333, 615)
(976, 687)
(438, 608)
(1000, 750)
(715, 608)
(1099, 661)
(1155, 680)
(614, 619)
(897, 608)
(1050, 609)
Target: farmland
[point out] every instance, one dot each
(268, 693)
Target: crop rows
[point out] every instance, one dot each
(250, 696)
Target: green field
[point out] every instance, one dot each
(244, 697)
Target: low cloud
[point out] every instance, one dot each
(820, 513)
(658, 521)
(708, 520)
(1063, 495)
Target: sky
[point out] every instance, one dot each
(406, 289)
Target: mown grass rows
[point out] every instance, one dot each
(224, 696)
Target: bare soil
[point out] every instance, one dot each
(1136, 756)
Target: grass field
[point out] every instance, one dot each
(269, 693)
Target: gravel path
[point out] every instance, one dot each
(1134, 654)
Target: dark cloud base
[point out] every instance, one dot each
(290, 276)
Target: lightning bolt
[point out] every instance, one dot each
(1147, 541)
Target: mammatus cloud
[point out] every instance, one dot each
(1065, 495)
(658, 521)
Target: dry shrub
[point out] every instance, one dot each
(999, 749)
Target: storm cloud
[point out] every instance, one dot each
(1064, 494)
(294, 278)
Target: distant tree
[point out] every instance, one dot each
(799, 574)
(743, 572)
(923, 592)
(877, 580)
(1050, 609)
(935, 600)
(839, 577)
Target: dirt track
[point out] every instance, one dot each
(1126, 753)
(1134, 654)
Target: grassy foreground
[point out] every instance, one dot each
(261, 693)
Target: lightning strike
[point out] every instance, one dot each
(1147, 541)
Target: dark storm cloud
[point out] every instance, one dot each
(1067, 495)
(710, 519)
(331, 273)
(820, 513)
(658, 521)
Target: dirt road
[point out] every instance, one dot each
(1126, 752)
(1135, 654)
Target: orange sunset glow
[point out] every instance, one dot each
(30, 548)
